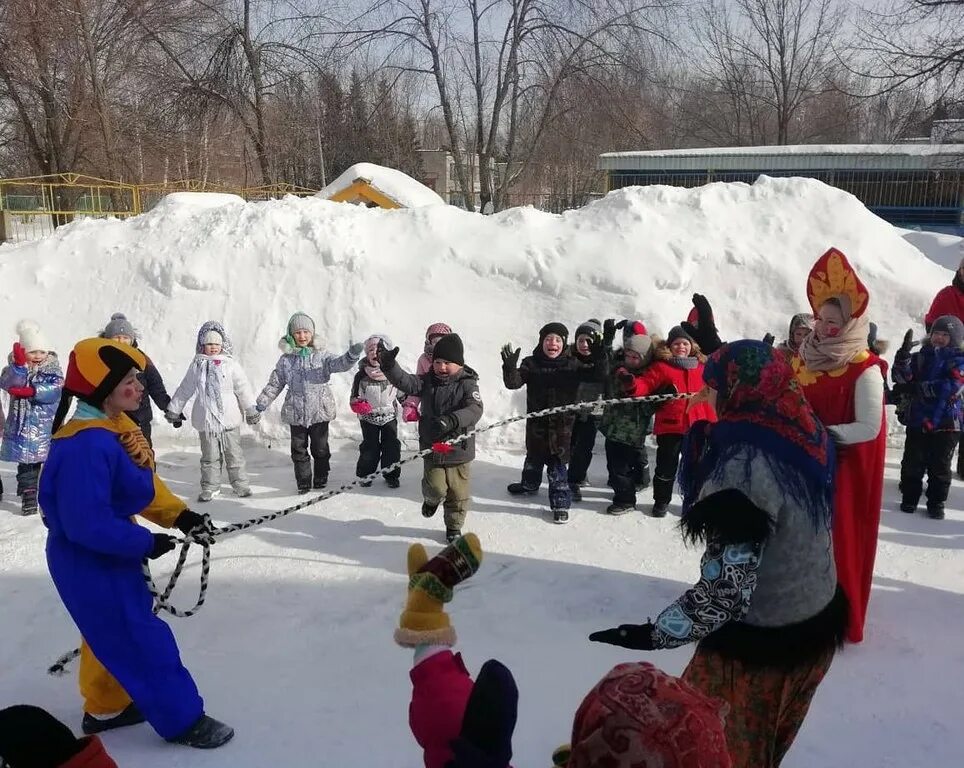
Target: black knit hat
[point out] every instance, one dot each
(592, 327)
(677, 332)
(450, 348)
(557, 328)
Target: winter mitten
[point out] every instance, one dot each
(172, 417)
(19, 355)
(625, 378)
(704, 330)
(25, 392)
(609, 333)
(485, 740)
(510, 358)
(361, 407)
(252, 417)
(189, 522)
(386, 357)
(636, 636)
(430, 584)
(410, 413)
(162, 545)
(769, 339)
(355, 350)
(442, 425)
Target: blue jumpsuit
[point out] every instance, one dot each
(89, 490)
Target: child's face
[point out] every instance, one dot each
(940, 339)
(211, 349)
(632, 359)
(302, 337)
(444, 368)
(126, 395)
(123, 339)
(37, 356)
(800, 334)
(681, 348)
(552, 345)
(829, 321)
(582, 344)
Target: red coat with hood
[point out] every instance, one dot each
(948, 301)
(673, 418)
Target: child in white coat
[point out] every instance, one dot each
(221, 393)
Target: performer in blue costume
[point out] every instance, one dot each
(99, 474)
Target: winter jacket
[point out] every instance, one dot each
(306, 373)
(628, 424)
(382, 396)
(154, 389)
(936, 386)
(673, 417)
(948, 301)
(441, 687)
(231, 383)
(456, 396)
(26, 430)
(588, 391)
(550, 383)
(90, 755)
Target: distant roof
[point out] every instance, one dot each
(401, 188)
(795, 156)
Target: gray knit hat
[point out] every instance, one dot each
(301, 322)
(642, 346)
(952, 326)
(119, 325)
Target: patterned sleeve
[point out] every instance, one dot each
(727, 579)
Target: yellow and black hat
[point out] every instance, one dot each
(95, 368)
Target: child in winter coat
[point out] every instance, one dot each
(375, 400)
(626, 426)
(587, 422)
(305, 368)
(933, 419)
(801, 326)
(451, 406)
(432, 334)
(221, 395)
(551, 376)
(33, 378)
(679, 365)
(120, 329)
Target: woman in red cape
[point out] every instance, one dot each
(844, 383)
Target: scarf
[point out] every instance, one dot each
(209, 392)
(835, 352)
(374, 372)
(551, 363)
(87, 412)
(762, 414)
(684, 363)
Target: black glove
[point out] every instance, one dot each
(175, 419)
(386, 357)
(636, 636)
(177, 424)
(609, 333)
(597, 348)
(189, 521)
(442, 425)
(769, 339)
(510, 359)
(162, 545)
(907, 345)
(704, 332)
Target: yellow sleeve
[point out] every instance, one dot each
(165, 508)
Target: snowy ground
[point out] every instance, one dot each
(294, 646)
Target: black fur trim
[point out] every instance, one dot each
(783, 647)
(729, 516)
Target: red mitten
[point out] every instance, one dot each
(19, 354)
(625, 379)
(361, 407)
(410, 413)
(24, 392)
(442, 447)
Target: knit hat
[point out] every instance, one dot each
(32, 339)
(592, 327)
(371, 343)
(952, 326)
(557, 328)
(642, 346)
(212, 332)
(95, 368)
(301, 322)
(639, 715)
(119, 325)
(633, 328)
(485, 740)
(33, 738)
(450, 348)
(677, 332)
(437, 329)
(212, 337)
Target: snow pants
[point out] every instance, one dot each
(379, 443)
(667, 464)
(317, 437)
(560, 495)
(930, 453)
(626, 470)
(449, 486)
(583, 441)
(108, 600)
(223, 450)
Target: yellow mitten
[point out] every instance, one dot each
(430, 584)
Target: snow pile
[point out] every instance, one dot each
(400, 187)
(638, 252)
(946, 250)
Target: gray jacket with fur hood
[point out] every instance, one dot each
(305, 372)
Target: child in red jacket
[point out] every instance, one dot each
(679, 364)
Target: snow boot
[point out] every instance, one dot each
(320, 482)
(451, 534)
(392, 482)
(208, 494)
(303, 491)
(206, 733)
(659, 509)
(576, 492)
(520, 489)
(910, 507)
(935, 511)
(365, 484)
(28, 502)
(560, 516)
(130, 716)
(429, 510)
(619, 509)
(243, 493)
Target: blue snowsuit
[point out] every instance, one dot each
(91, 486)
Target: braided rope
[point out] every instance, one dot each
(162, 597)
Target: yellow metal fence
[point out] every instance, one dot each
(31, 208)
